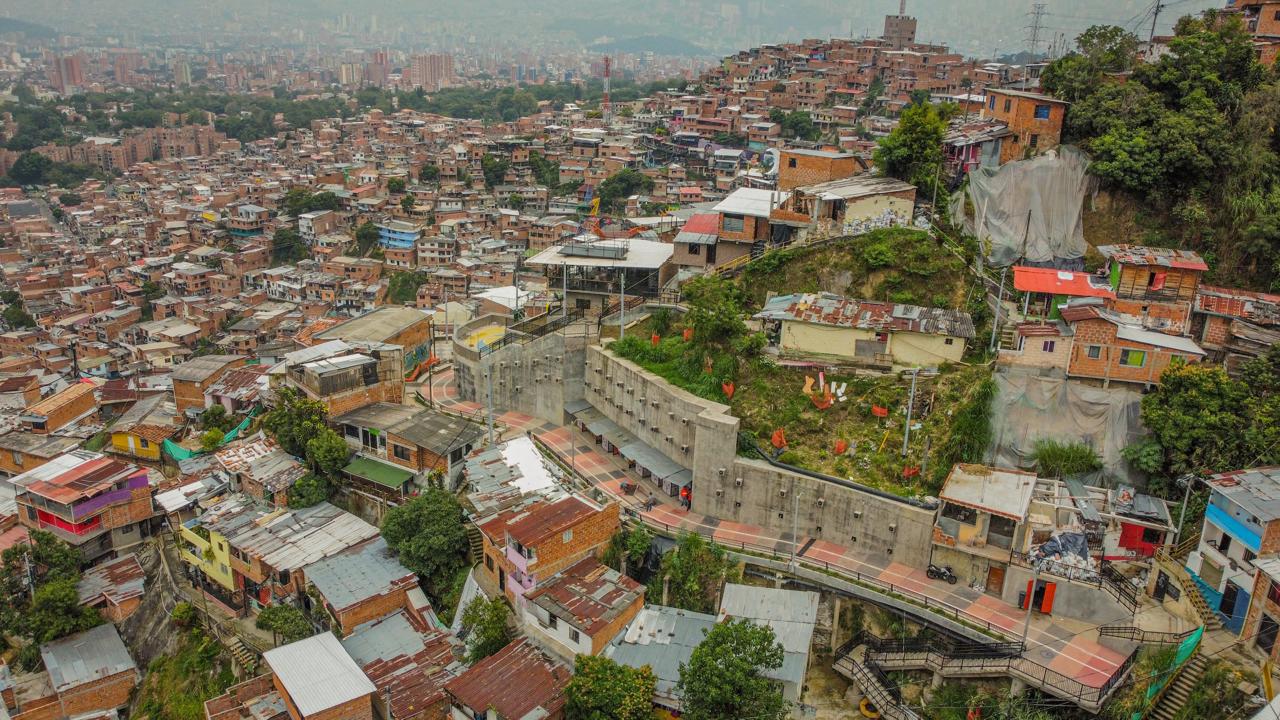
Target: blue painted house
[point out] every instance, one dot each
(399, 234)
(1241, 522)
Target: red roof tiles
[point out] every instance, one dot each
(513, 682)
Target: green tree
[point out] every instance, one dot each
(287, 623)
(495, 169)
(215, 417)
(395, 185)
(406, 203)
(294, 420)
(366, 237)
(913, 151)
(693, 572)
(1195, 416)
(429, 174)
(308, 490)
(327, 453)
(484, 623)
(1102, 49)
(630, 545)
(56, 612)
(70, 199)
(17, 317)
(601, 689)
(798, 124)
(30, 168)
(615, 189)
(725, 675)
(287, 246)
(430, 536)
(211, 439)
(402, 287)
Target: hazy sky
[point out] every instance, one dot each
(974, 27)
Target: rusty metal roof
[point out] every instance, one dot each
(589, 596)
(516, 681)
(835, 310)
(1154, 256)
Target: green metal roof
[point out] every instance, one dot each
(378, 472)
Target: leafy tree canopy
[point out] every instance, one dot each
(484, 622)
(601, 689)
(725, 675)
(693, 573)
(429, 535)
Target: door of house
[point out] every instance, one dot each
(1228, 604)
(995, 580)
(1267, 634)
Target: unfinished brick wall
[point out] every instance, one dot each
(589, 536)
(373, 608)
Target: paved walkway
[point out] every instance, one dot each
(1066, 646)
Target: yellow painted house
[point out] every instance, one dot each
(870, 332)
(208, 552)
(142, 429)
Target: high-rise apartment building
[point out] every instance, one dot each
(431, 71)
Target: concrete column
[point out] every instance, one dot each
(1017, 688)
(936, 681)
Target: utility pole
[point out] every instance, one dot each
(1031, 596)
(1155, 18)
(1037, 24)
(906, 430)
(489, 376)
(995, 324)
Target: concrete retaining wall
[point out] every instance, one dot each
(702, 435)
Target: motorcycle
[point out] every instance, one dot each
(941, 572)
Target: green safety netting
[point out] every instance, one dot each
(179, 453)
(1186, 649)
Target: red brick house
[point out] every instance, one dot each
(1110, 347)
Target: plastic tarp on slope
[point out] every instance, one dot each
(1031, 209)
(179, 453)
(1029, 406)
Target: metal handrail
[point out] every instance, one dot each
(1144, 637)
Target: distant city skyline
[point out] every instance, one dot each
(698, 28)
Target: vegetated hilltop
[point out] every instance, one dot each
(1188, 145)
(847, 439)
(896, 264)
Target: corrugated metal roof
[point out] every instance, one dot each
(515, 682)
(318, 673)
(1002, 492)
(662, 638)
(587, 595)
(286, 539)
(359, 573)
(838, 311)
(752, 202)
(85, 657)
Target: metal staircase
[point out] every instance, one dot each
(852, 664)
(1178, 691)
(1190, 588)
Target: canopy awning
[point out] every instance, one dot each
(650, 459)
(378, 472)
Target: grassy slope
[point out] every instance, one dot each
(896, 264)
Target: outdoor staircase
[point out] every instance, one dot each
(475, 551)
(1175, 696)
(1008, 335)
(1190, 588)
(1184, 548)
(874, 685)
(245, 657)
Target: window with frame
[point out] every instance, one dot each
(1048, 346)
(1151, 536)
(488, 562)
(1042, 112)
(1133, 358)
(1094, 352)
(791, 162)
(960, 513)
(733, 223)
(400, 452)
(1273, 594)
(949, 341)
(567, 536)
(574, 636)
(552, 622)
(695, 249)
(145, 444)
(1035, 141)
(17, 458)
(1008, 104)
